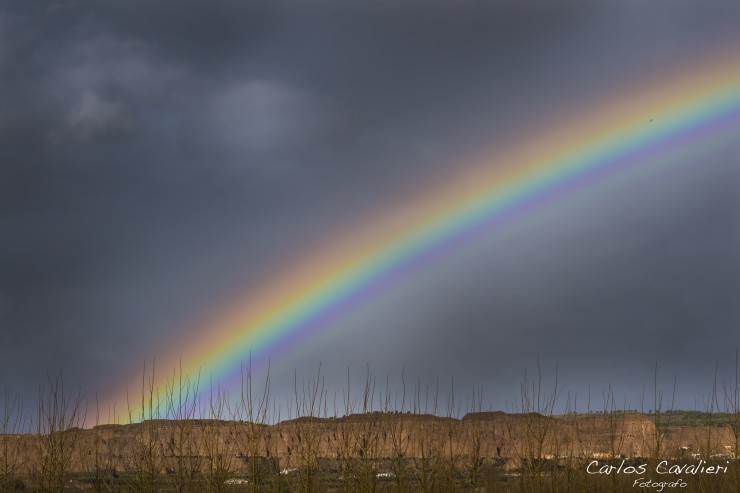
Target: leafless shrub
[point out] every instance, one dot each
(13, 422)
(251, 415)
(99, 462)
(217, 442)
(732, 411)
(59, 417)
(400, 439)
(181, 396)
(375, 441)
(147, 459)
(309, 402)
(530, 436)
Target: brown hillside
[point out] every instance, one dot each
(492, 436)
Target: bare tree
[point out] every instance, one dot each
(732, 411)
(13, 423)
(59, 419)
(147, 458)
(182, 405)
(252, 414)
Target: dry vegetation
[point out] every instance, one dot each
(184, 439)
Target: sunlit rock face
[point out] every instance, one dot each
(490, 437)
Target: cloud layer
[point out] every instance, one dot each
(159, 159)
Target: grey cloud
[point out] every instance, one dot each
(93, 117)
(60, 7)
(101, 84)
(106, 62)
(255, 118)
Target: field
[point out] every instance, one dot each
(175, 441)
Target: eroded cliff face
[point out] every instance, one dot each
(506, 439)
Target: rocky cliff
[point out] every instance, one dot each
(506, 439)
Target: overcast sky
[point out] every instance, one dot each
(160, 159)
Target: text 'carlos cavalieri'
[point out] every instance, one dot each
(663, 467)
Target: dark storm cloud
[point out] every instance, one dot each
(158, 157)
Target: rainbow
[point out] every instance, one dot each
(663, 120)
